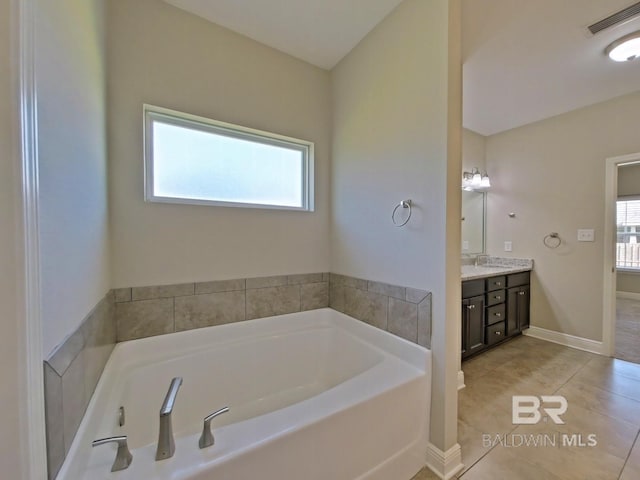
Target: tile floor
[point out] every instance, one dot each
(603, 396)
(628, 329)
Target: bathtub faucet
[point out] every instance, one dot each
(166, 445)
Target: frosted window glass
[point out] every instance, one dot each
(206, 163)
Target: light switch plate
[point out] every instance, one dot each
(586, 235)
(508, 246)
(465, 245)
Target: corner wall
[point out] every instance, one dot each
(74, 238)
(391, 100)
(164, 56)
(10, 364)
(551, 174)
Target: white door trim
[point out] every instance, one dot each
(32, 417)
(609, 273)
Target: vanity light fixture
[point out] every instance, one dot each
(625, 49)
(474, 181)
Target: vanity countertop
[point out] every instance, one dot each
(471, 272)
(493, 266)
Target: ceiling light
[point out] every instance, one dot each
(626, 48)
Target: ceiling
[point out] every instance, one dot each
(320, 32)
(529, 60)
(524, 60)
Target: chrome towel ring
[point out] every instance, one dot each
(404, 204)
(552, 240)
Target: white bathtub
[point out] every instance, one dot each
(314, 395)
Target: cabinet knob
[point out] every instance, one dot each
(498, 314)
(498, 333)
(471, 307)
(521, 293)
(498, 297)
(499, 284)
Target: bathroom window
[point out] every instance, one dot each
(195, 160)
(628, 235)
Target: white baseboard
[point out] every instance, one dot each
(461, 384)
(565, 339)
(444, 464)
(630, 295)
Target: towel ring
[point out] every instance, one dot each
(403, 204)
(552, 240)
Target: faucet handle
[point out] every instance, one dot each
(206, 439)
(123, 456)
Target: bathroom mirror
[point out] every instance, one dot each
(473, 221)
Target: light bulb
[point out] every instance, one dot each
(485, 182)
(625, 49)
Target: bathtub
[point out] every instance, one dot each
(314, 395)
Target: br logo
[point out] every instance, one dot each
(526, 408)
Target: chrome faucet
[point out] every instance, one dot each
(123, 456)
(478, 258)
(166, 445)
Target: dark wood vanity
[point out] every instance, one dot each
(494, 309)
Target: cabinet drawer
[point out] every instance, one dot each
(495, 297)
(496, 283)
(495, 333)
(518, 279)
(495, 314)
(472, 288)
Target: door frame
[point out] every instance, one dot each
(609, 271)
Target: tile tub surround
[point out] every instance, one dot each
(156, 310)
(403, 311)
(71, 374)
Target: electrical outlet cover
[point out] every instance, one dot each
(586, 235)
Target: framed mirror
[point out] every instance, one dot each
(474, 206)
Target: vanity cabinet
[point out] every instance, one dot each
(493, 309)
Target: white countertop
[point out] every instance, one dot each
(471, 272)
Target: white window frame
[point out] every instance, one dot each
(629, 270)
(153, 113)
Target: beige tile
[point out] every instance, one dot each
(266, 302)
(122, 294)
(601, 401)
(144, 318)
(66, 352)
(367, 306)
(571, 463)
(630, 473)
(387, 289)
(403, 319)
(99, 331)
(198, 311)
(314, 295)
(613, 376)
(424, 322)
(502, 463)
(347, 281)
(220, 286)
(54, 420)
(74, 399)
(337, 297)
(634, 457)
(265, 282)
(415, 295)
(162, 291)
(304, 278)
(471, 443)
(325, 276)
(426, 474)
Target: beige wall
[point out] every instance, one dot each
(74, 240)
(628, 184)
(163, 56)
(551, 174)
(10, 433)
(390, 112)
(474, 151)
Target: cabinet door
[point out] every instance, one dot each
(524, 299)
(473, 325)
(512, 311)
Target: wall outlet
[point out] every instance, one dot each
(508, 246)
(586, 235)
